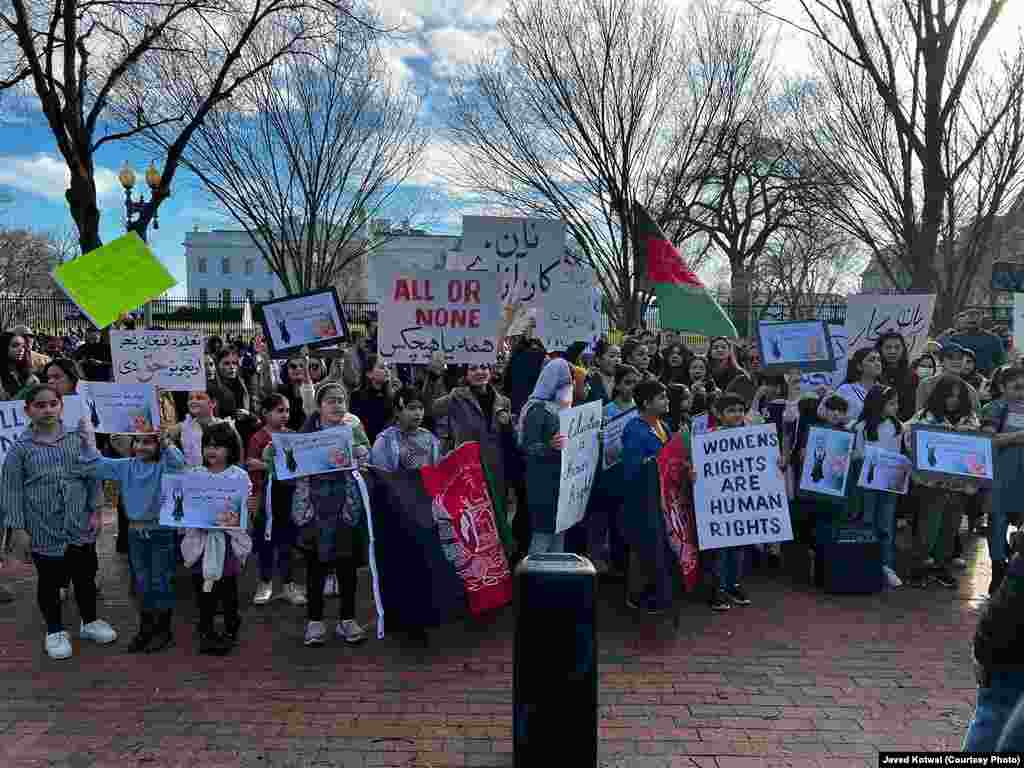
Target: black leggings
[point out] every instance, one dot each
(225, 591)
(316, 575)
(78, 565)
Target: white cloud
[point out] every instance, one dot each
(453, 47)
(48, 176)
(439, 12)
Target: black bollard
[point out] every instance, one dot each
(555, 665)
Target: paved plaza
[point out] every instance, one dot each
(797, 679)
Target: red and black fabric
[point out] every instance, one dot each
(465, 520)
(677, 509)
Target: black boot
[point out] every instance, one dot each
(998, 572)
(163, 636)
(213, 643)
(142, 640)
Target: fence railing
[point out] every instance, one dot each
(56, 315)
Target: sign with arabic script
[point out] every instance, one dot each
(868, 317)
(423, 311)
(202, 499)
(171, 360)
(534, 267)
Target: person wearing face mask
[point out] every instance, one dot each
(542, 445)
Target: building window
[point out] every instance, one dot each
(225, 296)
(249, 266)
(201, 265)
(270, 294)
(204, 297)
(250, 295)
(225, 265)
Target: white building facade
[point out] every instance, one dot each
(226, 264)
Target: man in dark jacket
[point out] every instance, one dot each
(999, 657)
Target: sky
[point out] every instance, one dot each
(438, 37)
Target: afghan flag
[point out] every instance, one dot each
(684, 304)
(438, 545)
(677, 508)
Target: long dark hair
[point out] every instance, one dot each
(622, 370)
(854, 369)
(936, 404)
(14, 376)
(222, 435)
(70, 367)
(680, 374)
(364, 379)
(873, 415)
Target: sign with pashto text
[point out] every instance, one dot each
(201, 499)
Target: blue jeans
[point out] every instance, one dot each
(992, 711)
(729, 566)
(154, 558)
(880, 513)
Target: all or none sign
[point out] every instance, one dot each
(425, 311)
(739, 492)
(582, 429)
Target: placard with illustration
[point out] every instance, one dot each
(299, 454)
(311, 320)
(803, 345)
(885, 470)
(204, 500)
(826, 461)
(129, 409)
(944, 453)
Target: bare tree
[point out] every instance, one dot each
(902, 126)
(305, 152)
(26, 259)
(808, 264)
(569, 119)
(90, 63)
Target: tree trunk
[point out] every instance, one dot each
(740, 297)
(81, 197)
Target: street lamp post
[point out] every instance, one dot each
(138, 212)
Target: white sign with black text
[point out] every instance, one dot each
(582, 429)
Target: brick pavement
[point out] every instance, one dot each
(799, 679)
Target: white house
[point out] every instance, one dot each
(225, 264)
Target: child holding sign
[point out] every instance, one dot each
(151, 548)
(730, 411)
(52, 508)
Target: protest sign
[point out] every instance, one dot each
(870, 316)
(423, 311)
(611, 437)
(204, 500)
(120, 408)
(943, 453)
(582, 429)
(739, 493)
(884, 470)
(311, 320)
(1018, 322)
(171, 360)
(113, 279)
(826, 461)
(534, 268)
(14, 421)
(298, 454)
(803, 344)
(810, 382)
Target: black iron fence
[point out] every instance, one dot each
(53, 315)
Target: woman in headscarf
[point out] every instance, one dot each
(542, 444)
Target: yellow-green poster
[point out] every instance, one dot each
(114, 279)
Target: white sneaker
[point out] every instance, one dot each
(58, 645)
(63, 594)
(294, 594)
(959, 562)
(331, 586)
(264, 591)
(98, 631)
(315, 633)
(891, 578)
(350, 631)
